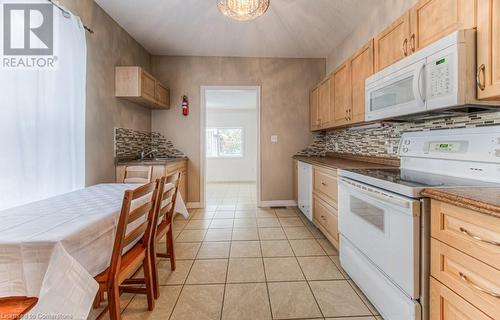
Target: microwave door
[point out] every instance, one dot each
(398, 94)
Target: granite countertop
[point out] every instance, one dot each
(482, 199)
(344, 163)
(150, 162)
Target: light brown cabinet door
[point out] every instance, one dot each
(324, 104)
(342, 95)
(488, 49)
(314, 109)
(392, 44)
(148, 85)
(362, 66)
(162, 95)
(431, 20)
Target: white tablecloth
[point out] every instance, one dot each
(53, 248)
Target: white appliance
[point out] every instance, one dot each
(440, 76)
(384, 222)
(305, 189)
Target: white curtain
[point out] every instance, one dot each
(42, 122)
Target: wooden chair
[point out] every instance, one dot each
(15, 307)
(165, 208)
(138, 174)
(116, 278)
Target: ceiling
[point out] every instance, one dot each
(291, 28)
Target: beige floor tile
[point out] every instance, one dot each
(328, 247)
(268, 222)
(336, 260)
(291, 222)
(221, 223)
(245, 270)
(203, 215)
(307, 247)
(209, 208)
(138, 307)
(248, 206)
(168, 277)
(245, 234)
(281, 213)
(224, 215)
(219, 235)
(179, 224)
(276, 248)
(208, 271)
(292, 300)
(191, 236)
(226, 207)
(202, 302)
(246, 302)
(266, 213)
(298, 233)
(319, 268)
(214, 250)
(354, 318)
(282, 269)
(338, 299)
(316, 232)
(272, 234)
(125, 300)
(245, 249)
(245, 214)
(198, 224)
(185, 250)
(367, 302)
(245, 223)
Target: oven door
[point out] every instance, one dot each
(385, 227)
(398, 94)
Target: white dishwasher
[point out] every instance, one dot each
(305, 189)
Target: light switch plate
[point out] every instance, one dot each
(274, 139)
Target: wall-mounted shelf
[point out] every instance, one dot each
(135, 84)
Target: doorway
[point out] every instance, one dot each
(230, 148)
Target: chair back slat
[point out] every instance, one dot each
(135, 234)
(140, 212)
(165, 206)
(138, 174)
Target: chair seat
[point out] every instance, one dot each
(16, 307)
(130, 259)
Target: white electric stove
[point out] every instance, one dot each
(384, 221)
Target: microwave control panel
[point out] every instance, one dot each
(440, 76)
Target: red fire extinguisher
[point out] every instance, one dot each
(185, 106)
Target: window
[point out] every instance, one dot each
(224, 142)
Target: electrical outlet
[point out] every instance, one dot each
(274, 139)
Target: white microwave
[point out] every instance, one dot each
(440, 76)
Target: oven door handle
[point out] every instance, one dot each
(377, 195)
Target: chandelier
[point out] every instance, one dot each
(243, 10)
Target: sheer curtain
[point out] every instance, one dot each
(42, 122)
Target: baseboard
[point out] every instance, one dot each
(278, 203)
(194, 205)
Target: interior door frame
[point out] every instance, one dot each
(203, 121)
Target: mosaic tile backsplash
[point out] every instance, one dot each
(129, 144)
(382, 139)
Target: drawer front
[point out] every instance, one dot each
(326, 215)
(473, 280)
(476, 234)
(447, 305)
(325, 183)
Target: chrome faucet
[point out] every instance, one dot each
(145, 154)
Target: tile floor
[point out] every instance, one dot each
(237, 262)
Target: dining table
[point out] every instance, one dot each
(53, 248)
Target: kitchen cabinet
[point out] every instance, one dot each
(135, 84)
(362, 66)
(314, 109)
(324, 104)
(391, 45)
(342, 94)
(488, 49)
(465, 263)
(325, 198)
(431, 20)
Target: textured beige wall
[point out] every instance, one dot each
(285, 85)
(382, 17)
(108, 47)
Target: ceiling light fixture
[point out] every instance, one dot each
(243, 10)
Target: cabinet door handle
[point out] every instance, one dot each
(478, 288)
(405, 47)
(467, 233)
(481, 70)
(412, 43)
(324, 184)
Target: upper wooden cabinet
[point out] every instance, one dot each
(324, 104)
(362, 66)
(314, 109)
(342, 94)
(434, 19)
(135, 84)
(488, 49)
(391, 45)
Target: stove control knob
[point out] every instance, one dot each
(407, 142)
(405, 149)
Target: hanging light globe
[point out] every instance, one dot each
(243, 10)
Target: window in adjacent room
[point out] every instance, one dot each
(224, 142)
